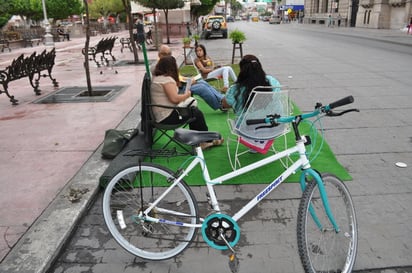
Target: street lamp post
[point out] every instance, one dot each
(48, 37)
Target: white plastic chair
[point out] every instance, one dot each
(259, 138)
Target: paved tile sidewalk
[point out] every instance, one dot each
(44, 145)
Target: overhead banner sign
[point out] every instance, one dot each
(292, 7)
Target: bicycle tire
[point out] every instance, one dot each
(325, 250)
(123, 199)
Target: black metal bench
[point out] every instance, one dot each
(31, 66)
(42, 63)
(104, 47)
(31, 39)
(125, 42)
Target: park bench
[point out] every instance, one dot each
(31, 67)
(31, 39)
(42, 63)
(125, 42)
(104, 47)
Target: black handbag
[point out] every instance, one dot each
(115, 141)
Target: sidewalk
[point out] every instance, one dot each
(388, 35)
(49, 148)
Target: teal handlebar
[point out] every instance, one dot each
(273, 119)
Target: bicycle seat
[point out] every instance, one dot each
(193, 137)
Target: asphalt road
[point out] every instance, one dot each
(317, 65)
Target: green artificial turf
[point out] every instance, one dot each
(218, 163)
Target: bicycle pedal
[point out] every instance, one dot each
(233, 263)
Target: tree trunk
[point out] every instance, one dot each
(166, 11)
(86, 50)
(128, 8)
(156, 30)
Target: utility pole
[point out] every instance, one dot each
(48, 37)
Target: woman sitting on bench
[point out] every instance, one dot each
(61, 32)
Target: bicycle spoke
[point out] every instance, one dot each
(324, 249)
(130, 194)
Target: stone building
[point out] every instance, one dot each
(378, 14)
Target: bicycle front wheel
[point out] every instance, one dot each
(132, 191)
(321, 247)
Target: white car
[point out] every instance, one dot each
(274, 19)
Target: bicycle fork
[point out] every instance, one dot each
(323, 195)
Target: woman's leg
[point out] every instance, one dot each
(204, 90)
(232, 74)
(199, 123)
(219, 73)
(223, 72)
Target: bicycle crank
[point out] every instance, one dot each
(233, 260)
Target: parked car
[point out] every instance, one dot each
(274, 19)
(255, 19)
(215, 25)
(230, 19)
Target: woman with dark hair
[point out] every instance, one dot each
(164, 91)
(208, 70)
(251, 75)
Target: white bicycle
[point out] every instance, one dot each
(152, 213)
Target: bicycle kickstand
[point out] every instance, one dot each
(233, 260)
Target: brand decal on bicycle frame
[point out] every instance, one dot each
(269, 188)
(170, 222)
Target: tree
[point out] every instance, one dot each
(30, 9)
(128, 8)
(164, 5)
(204, 9)
(236, 6)
(61, 9)
(86, 48)
(33, 9)
(4, 12)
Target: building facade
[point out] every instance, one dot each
(378, 14)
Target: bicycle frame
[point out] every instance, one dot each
(302, 163)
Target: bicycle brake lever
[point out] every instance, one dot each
(334, 114)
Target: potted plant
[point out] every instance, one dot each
(237, 36)
(186, 41)
(196, 37)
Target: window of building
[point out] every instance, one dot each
(366, 17)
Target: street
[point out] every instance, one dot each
(318, 65)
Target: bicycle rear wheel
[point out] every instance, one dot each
(322, 249)
(130, 192)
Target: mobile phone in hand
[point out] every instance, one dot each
(188, 84)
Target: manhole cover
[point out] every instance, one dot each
(81, 94)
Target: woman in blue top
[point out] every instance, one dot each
(251, 75)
